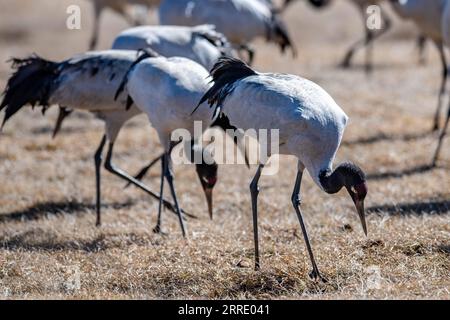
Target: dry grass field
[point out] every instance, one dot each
(50, 247)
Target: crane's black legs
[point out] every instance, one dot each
(169, 177)
(111, 168)
(144, 170)
(366, 42)
(98, 163)
(157, 228)
(315, 274)
(421, 45)
(141, 174)
(441, 138)
(440, 47)
(254, 191)
(62, 115)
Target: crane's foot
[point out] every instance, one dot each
(316, 276)
(157, 230)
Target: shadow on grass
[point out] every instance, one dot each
(45, 209)
(388, 137)
(403, 209)
(40, 240)
(401, 173)
(48, 130)
(26, 242)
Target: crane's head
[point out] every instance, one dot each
(357, 188)
(351, 177)
(207, 173)
(206, 169)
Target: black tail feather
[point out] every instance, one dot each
(32, 83)
(225, 72)
(146, 53)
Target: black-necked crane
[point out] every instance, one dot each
(310, 124)
(370, 35)
(87, 82)
(427, 15)
(119, 6)
(241, 21)
(166, 89)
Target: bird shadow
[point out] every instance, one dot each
(46, 209)
(432, 207)
(388, 137)
(49, 130)
(32, 241)
(401, 173)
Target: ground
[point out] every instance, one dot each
(50, 247)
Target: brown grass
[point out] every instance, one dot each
(47, 232)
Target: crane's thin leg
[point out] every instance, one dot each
(98, 163)
(441, 138)
(369, 51)
(62, 115)
(144, 170)
(111, 168)
(421, 45)
(254, 191)
(315, 274)
(169, 177)
(157, 228)
(369, 38)
(440, 47)
(141, 174)
(97, 13)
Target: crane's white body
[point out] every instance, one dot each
(167, 90)
(310, 123)
(241, 21)
(201, 44)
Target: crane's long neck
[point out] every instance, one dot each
(332, 182)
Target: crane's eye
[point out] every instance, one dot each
(353, 189)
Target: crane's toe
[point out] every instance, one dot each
(316, 276)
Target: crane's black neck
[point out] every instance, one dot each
(346, 174)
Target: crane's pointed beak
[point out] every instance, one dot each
(359, 204)
(209, 200)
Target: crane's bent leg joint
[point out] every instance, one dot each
(109, 166)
